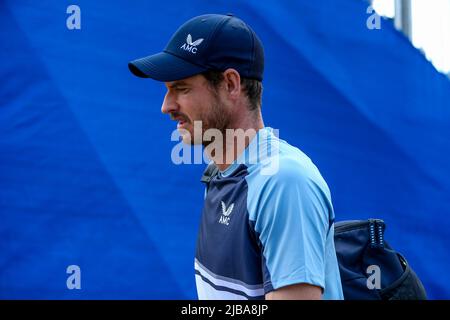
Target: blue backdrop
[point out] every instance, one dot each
(86, 176)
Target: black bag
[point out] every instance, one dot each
(361, 244)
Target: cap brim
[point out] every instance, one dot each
(165, 67)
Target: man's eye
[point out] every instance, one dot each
(183, 90)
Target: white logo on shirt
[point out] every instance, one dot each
(225, 216)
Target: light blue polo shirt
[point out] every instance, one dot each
(267, 222)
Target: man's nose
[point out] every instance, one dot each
(169, 104)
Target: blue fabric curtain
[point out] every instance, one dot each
(86, 176)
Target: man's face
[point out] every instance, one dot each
(193, 99)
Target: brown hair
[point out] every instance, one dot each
(252, 88)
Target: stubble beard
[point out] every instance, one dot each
(216, 117)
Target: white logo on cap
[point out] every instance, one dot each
(191, 46)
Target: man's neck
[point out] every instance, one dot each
(235, 143)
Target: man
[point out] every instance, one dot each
(267, 222)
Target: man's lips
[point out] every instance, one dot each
(180, 124)
(182, 121)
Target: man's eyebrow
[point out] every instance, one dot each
(176, 84)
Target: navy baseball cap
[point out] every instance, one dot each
(206, 42)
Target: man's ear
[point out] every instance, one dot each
(232, 82)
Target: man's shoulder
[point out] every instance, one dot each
(287, 162)
(286, 173)
(296, 185)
